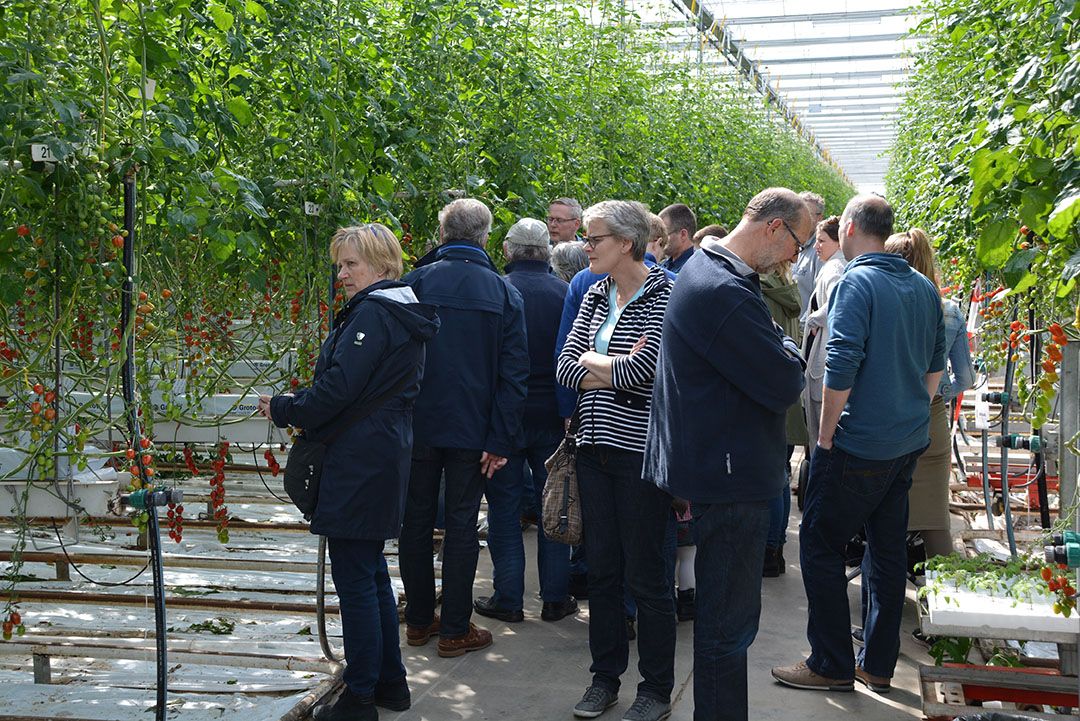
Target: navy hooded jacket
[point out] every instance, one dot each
(723, 385)
(473, 395)
(377, 343)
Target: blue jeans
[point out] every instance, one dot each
(844, 494)
(464, 488)
(504, 525)
(625, 520)
(369, 618)
(780, 510)
(730, 540)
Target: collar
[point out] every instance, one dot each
(713, 245)
(527, 266)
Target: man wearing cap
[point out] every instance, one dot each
(528, 249)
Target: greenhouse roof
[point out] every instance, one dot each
(836, 69)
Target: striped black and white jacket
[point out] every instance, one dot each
(618, 416)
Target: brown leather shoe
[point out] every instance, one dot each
(877, 684)
(801, 676)
(474, 640)
(420, 635)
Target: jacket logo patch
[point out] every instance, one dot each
(359, 339)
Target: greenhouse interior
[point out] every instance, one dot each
(763, 315)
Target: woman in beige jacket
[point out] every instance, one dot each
(816, 328)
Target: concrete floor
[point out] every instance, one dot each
(538, 670)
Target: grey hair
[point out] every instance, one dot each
(517, 251)
(568, 259)
(573, 205)
(626, 219)
(812, 197)
(776, 203)
(465, 220)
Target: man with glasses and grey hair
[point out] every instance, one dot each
(466, 421)
(725, 379)
(563, 220)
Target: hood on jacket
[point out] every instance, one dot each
(784, 294)
(420, 319)
(887, 262)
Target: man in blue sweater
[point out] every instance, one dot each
(884, 358)
(724, 381)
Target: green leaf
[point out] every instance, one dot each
(240, 109)
(23, 76)
(253, 206)
(1028, 73)
(1065, 213)
(1072, 267)
(1035, 204)
(990, 170)
(1019, 265)
(221, 17)
(383, 185)
(994, 245)
(255, 10)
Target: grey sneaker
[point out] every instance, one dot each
(647, 709)
(596, 701)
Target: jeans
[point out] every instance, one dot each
(625, 519)
(730, 540)
(504, 525)
(845, 493)
(464, 487)
(780, 510)
(369, 618)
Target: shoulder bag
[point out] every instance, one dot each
(561, 510)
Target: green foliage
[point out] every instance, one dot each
(989, 141)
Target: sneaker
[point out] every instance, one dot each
(596, 701)
(684, 605)
(857, 636)
(877, 684)
(647, 709)
(419, 635)
(475, 640)
(485, 606)
(631, 633)
(579, 586)
(922, 639)
(558, 610)
(801, 676)
(394, 696)
(346, 707)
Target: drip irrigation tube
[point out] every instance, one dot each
(320, 603)
(1035, 349)
(127, 376)
(1008, 390)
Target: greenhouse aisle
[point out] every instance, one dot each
(538, 670)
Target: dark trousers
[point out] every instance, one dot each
(730, 540)
(507, 549)
(844, 494)
(464, 487)
(780, 510)
(625, 519)
(369, 618)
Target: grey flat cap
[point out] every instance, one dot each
(528, 231)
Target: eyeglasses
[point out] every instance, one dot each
(791, 232)
(559, 221)
(593, 241)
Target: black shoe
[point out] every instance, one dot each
(922, 639)
(774, 562)
(485, 606)
(857, 636)
(684, 605)
(631, 634)
(395, 696)
(347, 707)
(579, 586)
(557, 610)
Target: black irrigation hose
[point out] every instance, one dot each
(107, 584)
(261, 478)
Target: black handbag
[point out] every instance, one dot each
(303, 471)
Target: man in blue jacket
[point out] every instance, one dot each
(528, 248)
(466, 421)
(884, 358)
(725, 379)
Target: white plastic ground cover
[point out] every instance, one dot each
(999, 615)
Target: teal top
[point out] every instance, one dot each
(603, 336)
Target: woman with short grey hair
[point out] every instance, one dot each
(610, 358)
(568, 259)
